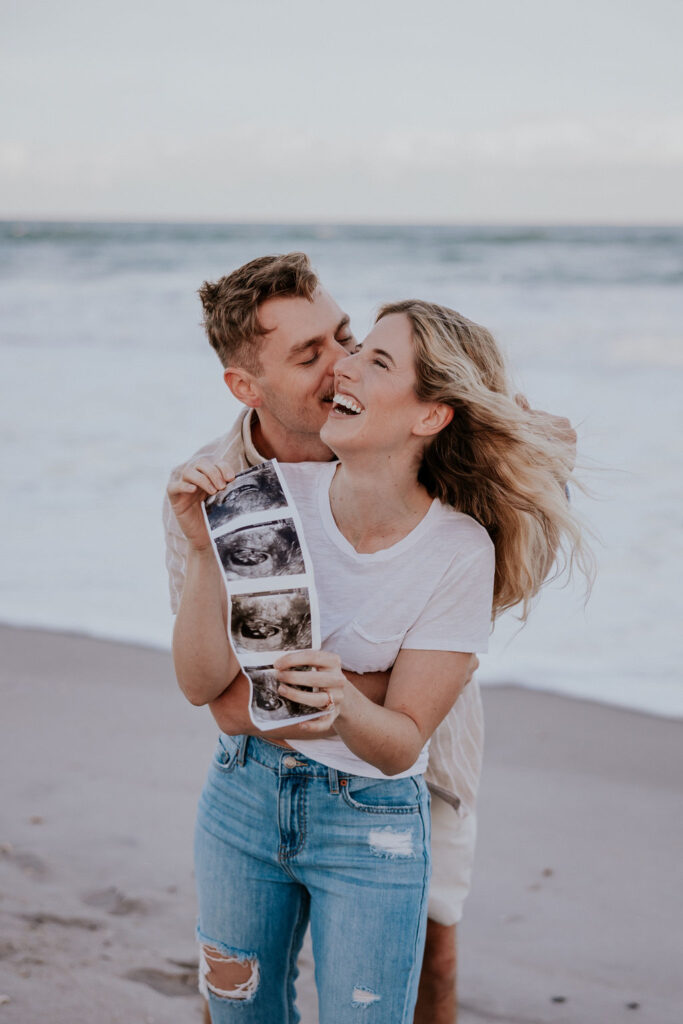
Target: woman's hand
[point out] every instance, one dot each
(189, 485)
(331, 691)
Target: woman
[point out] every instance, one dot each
(446, 505)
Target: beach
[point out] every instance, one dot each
(573, 911)
(110, 381)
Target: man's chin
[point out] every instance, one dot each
(325, 409)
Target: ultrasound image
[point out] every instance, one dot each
(271, 549)
(273, 621)
(255, 490)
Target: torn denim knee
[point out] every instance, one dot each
(227, 973)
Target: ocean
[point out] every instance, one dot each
(108, 382)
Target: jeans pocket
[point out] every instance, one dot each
(225, 754)
(382, 796)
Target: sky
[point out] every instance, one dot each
(500, 111)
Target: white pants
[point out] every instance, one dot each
(453, 841)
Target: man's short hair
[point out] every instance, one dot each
(231, 304)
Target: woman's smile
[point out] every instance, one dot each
(346, 405)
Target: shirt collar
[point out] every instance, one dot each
(253, 456)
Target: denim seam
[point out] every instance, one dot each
(380, 808)
(284, 854)
(225, 760)
(417, 961)
(304, 821)
(292, 1012)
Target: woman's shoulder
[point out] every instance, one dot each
(464, 530)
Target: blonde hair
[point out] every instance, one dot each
(495, 460)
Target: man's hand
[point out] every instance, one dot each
(187, 488)
(472, 668)
(558, 427)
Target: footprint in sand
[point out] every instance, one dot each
(38, 919)
(115, 902)
(182, 983)
(26, 861)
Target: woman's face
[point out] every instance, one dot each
(375, 404)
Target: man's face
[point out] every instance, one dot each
(296, 381)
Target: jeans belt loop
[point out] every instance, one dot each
(242, 753)
(333, 780)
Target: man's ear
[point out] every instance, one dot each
(243, 386)
(437, 415)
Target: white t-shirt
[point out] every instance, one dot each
(430, 591)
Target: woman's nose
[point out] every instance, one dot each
(344, 367)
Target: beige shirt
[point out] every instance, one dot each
(456, 748)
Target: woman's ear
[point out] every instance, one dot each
(437, 415)
(243, 386)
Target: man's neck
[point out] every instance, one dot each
(287, 446)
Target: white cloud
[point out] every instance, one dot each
(14, 158)
(246, 172)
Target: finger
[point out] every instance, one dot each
(208, 484)
(522, 402)
(320, 724)
(314, 659)
(189, 472)
(321, 699)
(212, 472)
(226, 471)
(201, 482)
(303, 680)
(181, 487)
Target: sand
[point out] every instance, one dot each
(574, 911)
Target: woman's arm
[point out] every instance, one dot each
(231, 709)
(422, 689)
(204, 661)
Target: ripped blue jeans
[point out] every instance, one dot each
(282, 839)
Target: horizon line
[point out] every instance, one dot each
(334, 222)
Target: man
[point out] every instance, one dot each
(278, 335)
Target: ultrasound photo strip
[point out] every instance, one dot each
(258, 541)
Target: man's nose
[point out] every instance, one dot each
(337, 353)
(344, 367)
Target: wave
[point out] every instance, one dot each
(474, 234)
(632, 256)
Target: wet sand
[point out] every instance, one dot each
(573, 916)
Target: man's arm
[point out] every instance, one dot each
(389, 736)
